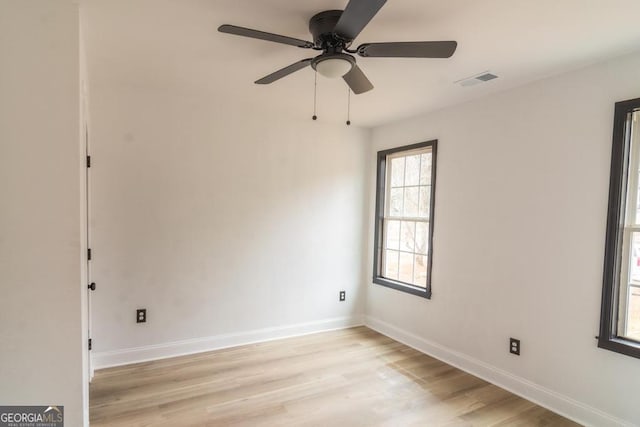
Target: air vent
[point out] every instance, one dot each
(477, 79)
(486, 77)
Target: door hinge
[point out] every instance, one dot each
(89, 254)
(90, 344)
(88, 161)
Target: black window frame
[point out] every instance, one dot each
(620, 152)
(379, 220)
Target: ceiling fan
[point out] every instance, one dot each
(333, 33)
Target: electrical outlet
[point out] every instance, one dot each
(514, 346)
(141, 315)
(343, 296)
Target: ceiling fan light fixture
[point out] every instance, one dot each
(333, 66)
(333, 33)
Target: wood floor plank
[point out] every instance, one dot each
(351, 377)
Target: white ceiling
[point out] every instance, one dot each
(173, 46)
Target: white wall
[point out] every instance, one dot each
(218, 221)
(520, 212)
(41, 341)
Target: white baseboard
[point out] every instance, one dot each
(107, 359)
(556, 402)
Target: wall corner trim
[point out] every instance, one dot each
(107, 359)
(554, 401)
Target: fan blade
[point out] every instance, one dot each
(356, 16)
(357, 81)
(284, 72)
(255, 34)
(442, 49)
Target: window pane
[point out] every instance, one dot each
(406, 268)
(393, 235)
(425, 169)
(420, 271)
(395, 201)
(411, 198)
(422, 234)
(633, 314)
(391, 265)
(397, 172)
(424, 203)
(412, 170)
(634, 267)
(637, 208)
(407, 236)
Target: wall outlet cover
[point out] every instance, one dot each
(141, 315)
(514, 346)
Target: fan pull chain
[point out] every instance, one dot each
(315, 96)
(348, 106)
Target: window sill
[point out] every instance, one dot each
(620, 345)
(424, 293)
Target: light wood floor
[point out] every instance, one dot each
(352, 377)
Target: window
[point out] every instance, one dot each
(620, 315)
(404, 218)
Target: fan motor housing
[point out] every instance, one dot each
(321, 27)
